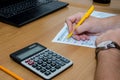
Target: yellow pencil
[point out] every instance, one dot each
(10, 73)
(87, 14)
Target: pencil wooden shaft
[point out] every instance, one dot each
(10, 73)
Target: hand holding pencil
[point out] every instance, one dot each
(80, 21)
(87, 14)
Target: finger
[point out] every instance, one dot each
(84, 37)
(76, 37)
(81, 37)
(70, 22)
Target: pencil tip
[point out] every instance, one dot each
(69, 35)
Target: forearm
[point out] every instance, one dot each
(108, 65)
(111, 22)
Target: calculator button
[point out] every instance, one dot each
(53, 63)
(40, 61)
(42, 70)
(45, 58)
(65, 60)
(35, 65)
(54, 54)
(30, 62)
(49, 56)
(45, 54)
(53, 58)
(36, 59)
(57, 66)
(53, 69)
(58, 56)
(48, 67)
(38, 67)
(47, 73)
(61, 63)
(44, 64)
(49, 61)
(50, 52)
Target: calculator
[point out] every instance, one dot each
(41, 60)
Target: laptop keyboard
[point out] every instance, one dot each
(20, 7)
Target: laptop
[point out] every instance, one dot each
(21, 12)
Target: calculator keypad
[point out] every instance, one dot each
(47, 63)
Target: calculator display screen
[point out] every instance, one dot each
(30, 52)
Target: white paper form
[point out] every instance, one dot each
(61, 37)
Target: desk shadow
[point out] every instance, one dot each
(101, 4)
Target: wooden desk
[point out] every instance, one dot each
(112, 7)
(43, 31)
